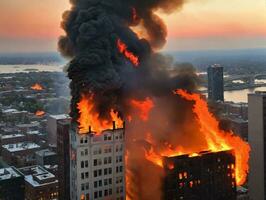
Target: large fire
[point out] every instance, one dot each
(39, 113)
(89, 119)
(122, 47)
(37, 87)
(216, 139)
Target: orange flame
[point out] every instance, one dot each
(122, 47)
(89, 119)
(39, 113)
(144, 107)
(218, 140)
(37, 87)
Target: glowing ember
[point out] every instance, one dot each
(143, 107)
(37, 87)
(39, 113)
(89, 119)
(122, 47)
(218, 140)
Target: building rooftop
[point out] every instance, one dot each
(11, 136)
(20, 146)
(258, 93)
(58, 117)
(45, 152)
(9, 173)
(37, 176)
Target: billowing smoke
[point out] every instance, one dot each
(93, 28)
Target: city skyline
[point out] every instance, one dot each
(198, 25)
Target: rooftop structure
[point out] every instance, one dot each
(39, 183)
(20, 146)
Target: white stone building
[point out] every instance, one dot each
(97, 165)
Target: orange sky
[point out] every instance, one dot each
(201, 24)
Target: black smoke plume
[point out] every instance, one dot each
(92, 29)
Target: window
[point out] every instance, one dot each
(82, 187)
(95, 184)
(105, 160)
(95, 195)
(87, 175)
(82, 175)
(95, 162)
(105, 171)
(110, 170)
(82, 153)
(100, 183)
(86, 151)
(99, 172)
(82, 164)
(110, 191)
(100, 193)
(105, 192)
(110, 181)
(86, 163)
(95, 173)
(87, 186)
(81, 141)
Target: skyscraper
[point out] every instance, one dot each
(97, 166)
(215, 83)
(63, 148)
(257, 140)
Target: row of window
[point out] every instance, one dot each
(98, 172)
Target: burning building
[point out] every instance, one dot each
(97, 165)
(118, 75)
(203, 176)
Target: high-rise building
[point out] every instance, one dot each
(215, 83)
(204, 176)
(257, 140)
(52, 127)
(11, 184)
(63, 148)
(97, 165)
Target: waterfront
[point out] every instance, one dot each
(30, 68)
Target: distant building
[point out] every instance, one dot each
(257, 141)
(207, 176)
(63, 148)
(97, 166)
(52, 127)
(11, 184)
(20, 154)
(215, 83)
(236, 109)
(46, 157)
(39, 183)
